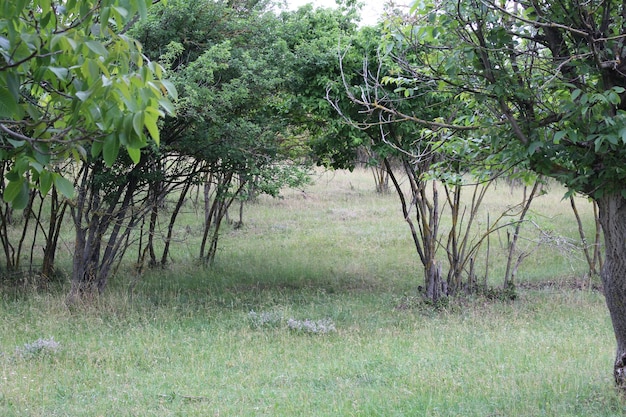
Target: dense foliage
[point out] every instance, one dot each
(71, 77)
(84, 80)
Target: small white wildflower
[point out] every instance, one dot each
(312, 327)
(40, 347)
(264, 319)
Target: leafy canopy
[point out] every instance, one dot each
(544, 81)
(71, 80)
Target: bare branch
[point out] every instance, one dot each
(377, 104)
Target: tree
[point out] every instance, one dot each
(545, 83)
(109, 205)
(440, 167)
(230, 62)
(312, 38)
(69, 76)
(74, 85)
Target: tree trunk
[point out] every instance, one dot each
(102, 223)
(84, 268)
(57, 214)
(154, 216)
(170, 226)
(435, 287)
(612, 214)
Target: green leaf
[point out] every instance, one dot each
(12, 190)
(16, 193)
(5, 44)
(44, 6)
(33, 111)
(45, 182)
(171, 89)
(36, 167)
(134, 153)
(8, 105)
(104, 19)
(13, 176)
(122, 11)
(80, 153)
(97, 48)
(151, 124)
(584, 110)
(64, 186)
(532, 148)
(96, 148)
(168, 107)
(598, 144)
(21, 200)
(143, 9)
(83, 95)
(138, 122)
(613, 97)
(559, 135)
(122, 137)
(16, 143)
(60, 72)
(110, 149)
(13, 84)
(43, 22)
(575, 94)
(42, 154)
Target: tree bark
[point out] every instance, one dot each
(612, 214)
(57, 214)
(170, 226)
(102, 220)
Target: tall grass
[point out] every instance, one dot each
(183, 343)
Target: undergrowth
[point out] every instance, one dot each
(312, 308)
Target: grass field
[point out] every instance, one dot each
(335, 259)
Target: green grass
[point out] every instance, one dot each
(183, 344)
